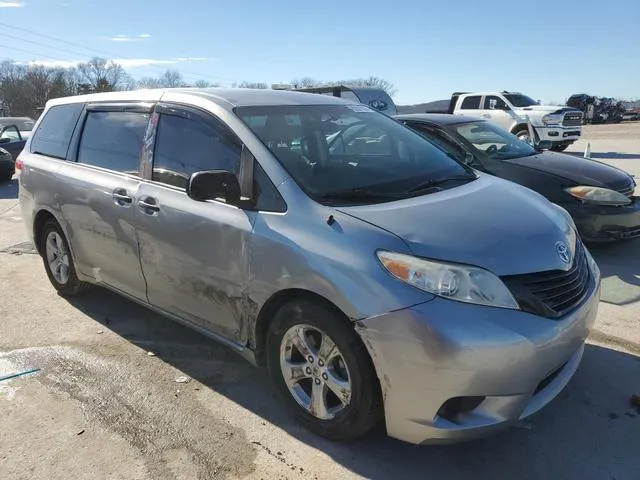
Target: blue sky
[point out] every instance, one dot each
(427, 49)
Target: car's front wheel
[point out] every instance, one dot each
(58, 262)
(559, 148)
(323, 371)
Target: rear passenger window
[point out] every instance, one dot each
(471, 103)
(185, 146)
(54, 133)
(113, 140)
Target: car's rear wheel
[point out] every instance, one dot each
(323, 371)
(58, 262)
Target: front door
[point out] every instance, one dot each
(496, 110)
(98, 194)
(194, 255)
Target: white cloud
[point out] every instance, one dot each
(12, 4)
(142, 62)
(51, 63)
(126, 63)
(191, 59)
(129, 38)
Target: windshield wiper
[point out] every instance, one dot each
(359, 194)
(440, 181)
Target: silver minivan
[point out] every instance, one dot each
(376, 277)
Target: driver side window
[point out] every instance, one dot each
(491, 102)
(188, 145)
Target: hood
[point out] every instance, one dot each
(576, 169)
(490, 223)
(548, 109)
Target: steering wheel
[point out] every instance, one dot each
(491, 150)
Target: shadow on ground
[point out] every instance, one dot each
(609, 155)
(619, 263)
(589, 432)
(9, 190)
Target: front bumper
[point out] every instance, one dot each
(441, 350)
(559, 134)
(601, 223)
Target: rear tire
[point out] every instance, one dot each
(58, 262)
(357, 407)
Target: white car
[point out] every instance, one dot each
(560, 125)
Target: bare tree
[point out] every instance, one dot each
(245, 84)
(102, 75)
(205, 84)
(172, 79)
(305, 82)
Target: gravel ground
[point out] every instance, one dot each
(103, 407)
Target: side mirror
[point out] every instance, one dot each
(213, 184)
(544, 145)
(5, 140)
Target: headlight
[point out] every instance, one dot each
(552, 119)
(597, 195)
(462, 283)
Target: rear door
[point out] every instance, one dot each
(194, 255)
(469, 105)
(100, 192)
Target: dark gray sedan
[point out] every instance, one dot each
(600, 198)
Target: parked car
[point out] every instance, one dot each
(560, 125)
(7, 165)
(376, 277)
(376, 98)
(11, 140)
(23, 124)
(599, 197)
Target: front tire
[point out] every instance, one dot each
(58, 262)
(322, 371)
(559, 148)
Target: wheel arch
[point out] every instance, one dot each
(273, 304)
(39, 221)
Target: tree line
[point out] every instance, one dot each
(24, 89)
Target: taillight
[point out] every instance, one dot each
(19, 165)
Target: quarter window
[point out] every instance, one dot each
(113, 140)
(185, 146)
(471, 103)
(54, 133)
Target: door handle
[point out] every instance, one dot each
(486, 115)
(148, 205)
(121, 197)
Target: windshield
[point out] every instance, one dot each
(519, 100)
(493, 141)
(23, 124)
(350, 153)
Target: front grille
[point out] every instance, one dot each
(552, 293)
(624, 233)
(572, 119)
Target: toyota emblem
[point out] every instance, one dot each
(563, 252)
